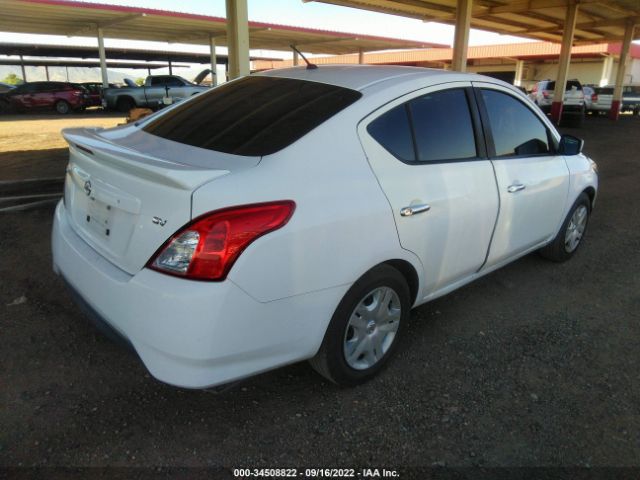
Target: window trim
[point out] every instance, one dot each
(476, 125)
(484, 115)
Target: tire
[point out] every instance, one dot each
(62, 107)
(359, 316)
(562, 248)
(124, 104)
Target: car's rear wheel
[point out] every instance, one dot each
(62, 107)
(363, 332)
(570, 236)
(124, 104)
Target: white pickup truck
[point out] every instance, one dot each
(603, 97)
(153, 94)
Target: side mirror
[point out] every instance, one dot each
(570, 145)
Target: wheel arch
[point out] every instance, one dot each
(408, 271)
(125, 97)
(591, 193)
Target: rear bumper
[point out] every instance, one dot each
(187, 333)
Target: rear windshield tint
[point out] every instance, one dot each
(570, 85)
(604, 91)
(253, 116)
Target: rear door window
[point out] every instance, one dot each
(253, 116)
(442, 126)
(436, 127)
(392, 130)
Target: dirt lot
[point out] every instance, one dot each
(31, 145)
(537, 364)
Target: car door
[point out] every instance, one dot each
(161, 87)
(22, 96)
(532, 179)
(43, 95)
(177, 88)
(156, 91)
(430, 160)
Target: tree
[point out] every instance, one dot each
(139, 81)
(12, 79)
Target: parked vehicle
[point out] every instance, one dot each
(152, 94)
(94, 90)
(5, 87)
(601, 100)
(63, 97)
(631, 99)
(300, 214)
(573, 108)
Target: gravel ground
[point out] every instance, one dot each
(534, 365)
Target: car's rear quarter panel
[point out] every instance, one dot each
(342, 225)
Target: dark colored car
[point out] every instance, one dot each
(63, 97)
(5, 87)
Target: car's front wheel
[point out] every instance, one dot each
(363, 332)
(571, 233)
(62, 107)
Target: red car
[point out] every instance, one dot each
(61, 96)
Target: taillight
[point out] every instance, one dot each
(594, 97)
(545, 94)
(207, 248)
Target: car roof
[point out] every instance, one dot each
(359, 77)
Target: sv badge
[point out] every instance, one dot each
(158, 221)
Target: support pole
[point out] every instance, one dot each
(103, 59)
(238, 38)
(214, 60)
(614, 113)
(517, 81)
(24, 72)
(149, 71)
(170, 67)
(361, 56)
(563, 64)
(46, 71)
(607, 67)
(296, 59)
(461, 37)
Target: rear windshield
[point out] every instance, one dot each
(604, 90)
(253, 116)
(570, 84)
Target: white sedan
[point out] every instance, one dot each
(301, 213)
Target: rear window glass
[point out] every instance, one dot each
(604, 91)
(392, 130)
(570, 85)
(253, 116)
(442, 126)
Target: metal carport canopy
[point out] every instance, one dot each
(568, 22)
(598, 21)
(63, 17)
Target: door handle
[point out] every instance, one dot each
(516, 187)
(414, 209)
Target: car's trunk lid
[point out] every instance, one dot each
(127, 191)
